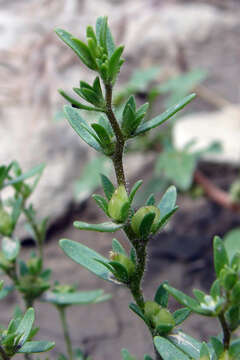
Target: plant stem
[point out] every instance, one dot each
(117, 157)
(226, 331)
(3, 355)
(37, 233)
(67, 338)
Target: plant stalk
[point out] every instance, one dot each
(226, 331)
(66, 333)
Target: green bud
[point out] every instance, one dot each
(34, 265)
(164, 321)
(123, 260)
(118, 206)
(139, 215)
(151, 308)
(6, 223)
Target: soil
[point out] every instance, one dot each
(182, 254)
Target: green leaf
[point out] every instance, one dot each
(120, 271)
(215, 290)
(234, 350)
(186, 300)
(204, 351)
(134, 189)
(232, 242)
(89, 95)
(126, 355)
(137, 311)
(31, 347)
(181, 315)
(114, 63)
(146, 224)
(4, 291)
(10, 248)
(161, 296)
(80, 126)
(141, 111)
(186, 343)
(73, 298)
(168, 201)
(160, 119)
(107, 186)
(77, 103)
(86, 257)
(102, 202)
(167, 350)
(103, 227)
(110, 42)
(147, 357)
(79, 47)
(34, 171)
(25, 326)
(163, 221)
(117, 247)
(97, 88)
(220, 255)
(178, 166)
(218, 346)
(102, 134)
(150, 200)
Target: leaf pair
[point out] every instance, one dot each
(132, 117)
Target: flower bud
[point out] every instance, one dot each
(118, 206)
(151, 308)
(139, 215)
(123, 260)
(164, 321)
(6, 224)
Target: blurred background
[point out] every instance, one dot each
(172, 48)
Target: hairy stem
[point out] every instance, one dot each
(117, 157)
(66, 333)
(226, 331)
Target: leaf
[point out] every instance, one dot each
(10, 248)
(204, 351)
(77, 103)
(85, 256)
(234, 350)
(161, 296)
(102, 134)
(5, 291)
(181, 315)
(73, 298)
(137, 311)
(114, 63)
(107, 186)
(134, 189)
(80, 126)
(89, 95)
(36, 347)
(126, 355)
(167, 350)
(97, 88)
(168, 201)
(178, 166)
(117, 247)
(25, 326)
(103, 227)
(160, 119)
(79, 47)
(16, 211)
(219, 254)
(186, 300)
(147, 357)
(110, 42)
(218, 346)
(186, 343)
(102, 202)
(232, 242)
(120, 271)
(166, 218)
(150, 200)
(34, 171)
(146, 224)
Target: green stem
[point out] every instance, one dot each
(226, 331)
(67, 338)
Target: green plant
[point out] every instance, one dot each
(31, 279)
(109, 136)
